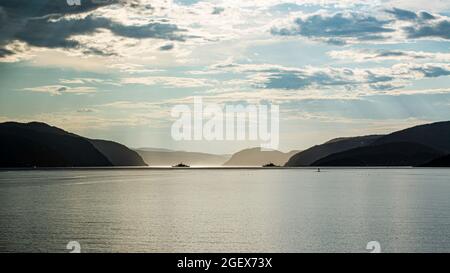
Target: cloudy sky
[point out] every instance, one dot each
(114, 70)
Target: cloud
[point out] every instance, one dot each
(130, 68)
(424, 24)
(44, 8)
(407, 15)
(439, 28)
(218, 10)
(5, 52)
(268, 76)
(55, 24)
(342, 28)
(178, 82)
(338, 28)
(324, 78)
(387, 55)
(61, 89)
(402, 14)
(187, 2)
(432, 71)
(85, 81)
(167, 47)
(85, 110)
(57, 34)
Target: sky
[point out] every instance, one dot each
(114, 69)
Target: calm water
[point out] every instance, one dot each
(226, 210)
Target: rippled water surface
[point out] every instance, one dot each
(336, 210)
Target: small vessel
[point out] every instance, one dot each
(181, 165)
(318, 170)
(270, 165)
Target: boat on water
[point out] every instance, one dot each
(181, 165)
(270, 165)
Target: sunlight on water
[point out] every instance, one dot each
(226, 210)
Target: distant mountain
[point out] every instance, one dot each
(311, 155)
(389, 154)
(154, 150)
(435, 135)
(258, 157)
(438, 162)
(171, 158)
(118, 154)
(40, 145)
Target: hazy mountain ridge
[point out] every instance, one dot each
(258, 157)
(166, 157)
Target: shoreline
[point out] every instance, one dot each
(206, 168)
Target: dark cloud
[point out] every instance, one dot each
(62, 89)
(385, 54)
(402, 14)
(5, 52)
(426, 16)
(424, 25)
(56, 34)
(406, 15)
(384, 87)
(338, 27)
(3, 16)
(43, 23)
(398, 76)
(336, 42)
(431, 71)
(218, 10)
(187, 2)
(326, 78)
(440, 29)
(167, 47)
(41, 8)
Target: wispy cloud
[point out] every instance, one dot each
(62, 89)
(388, 55)
(179, 82)
(387, 78)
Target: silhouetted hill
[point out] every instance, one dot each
(435, 135)
(38, 144)
(389, 154)
(258, 157)
(309, 156)
(438, 162)
(118, 154)
(157, 157)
